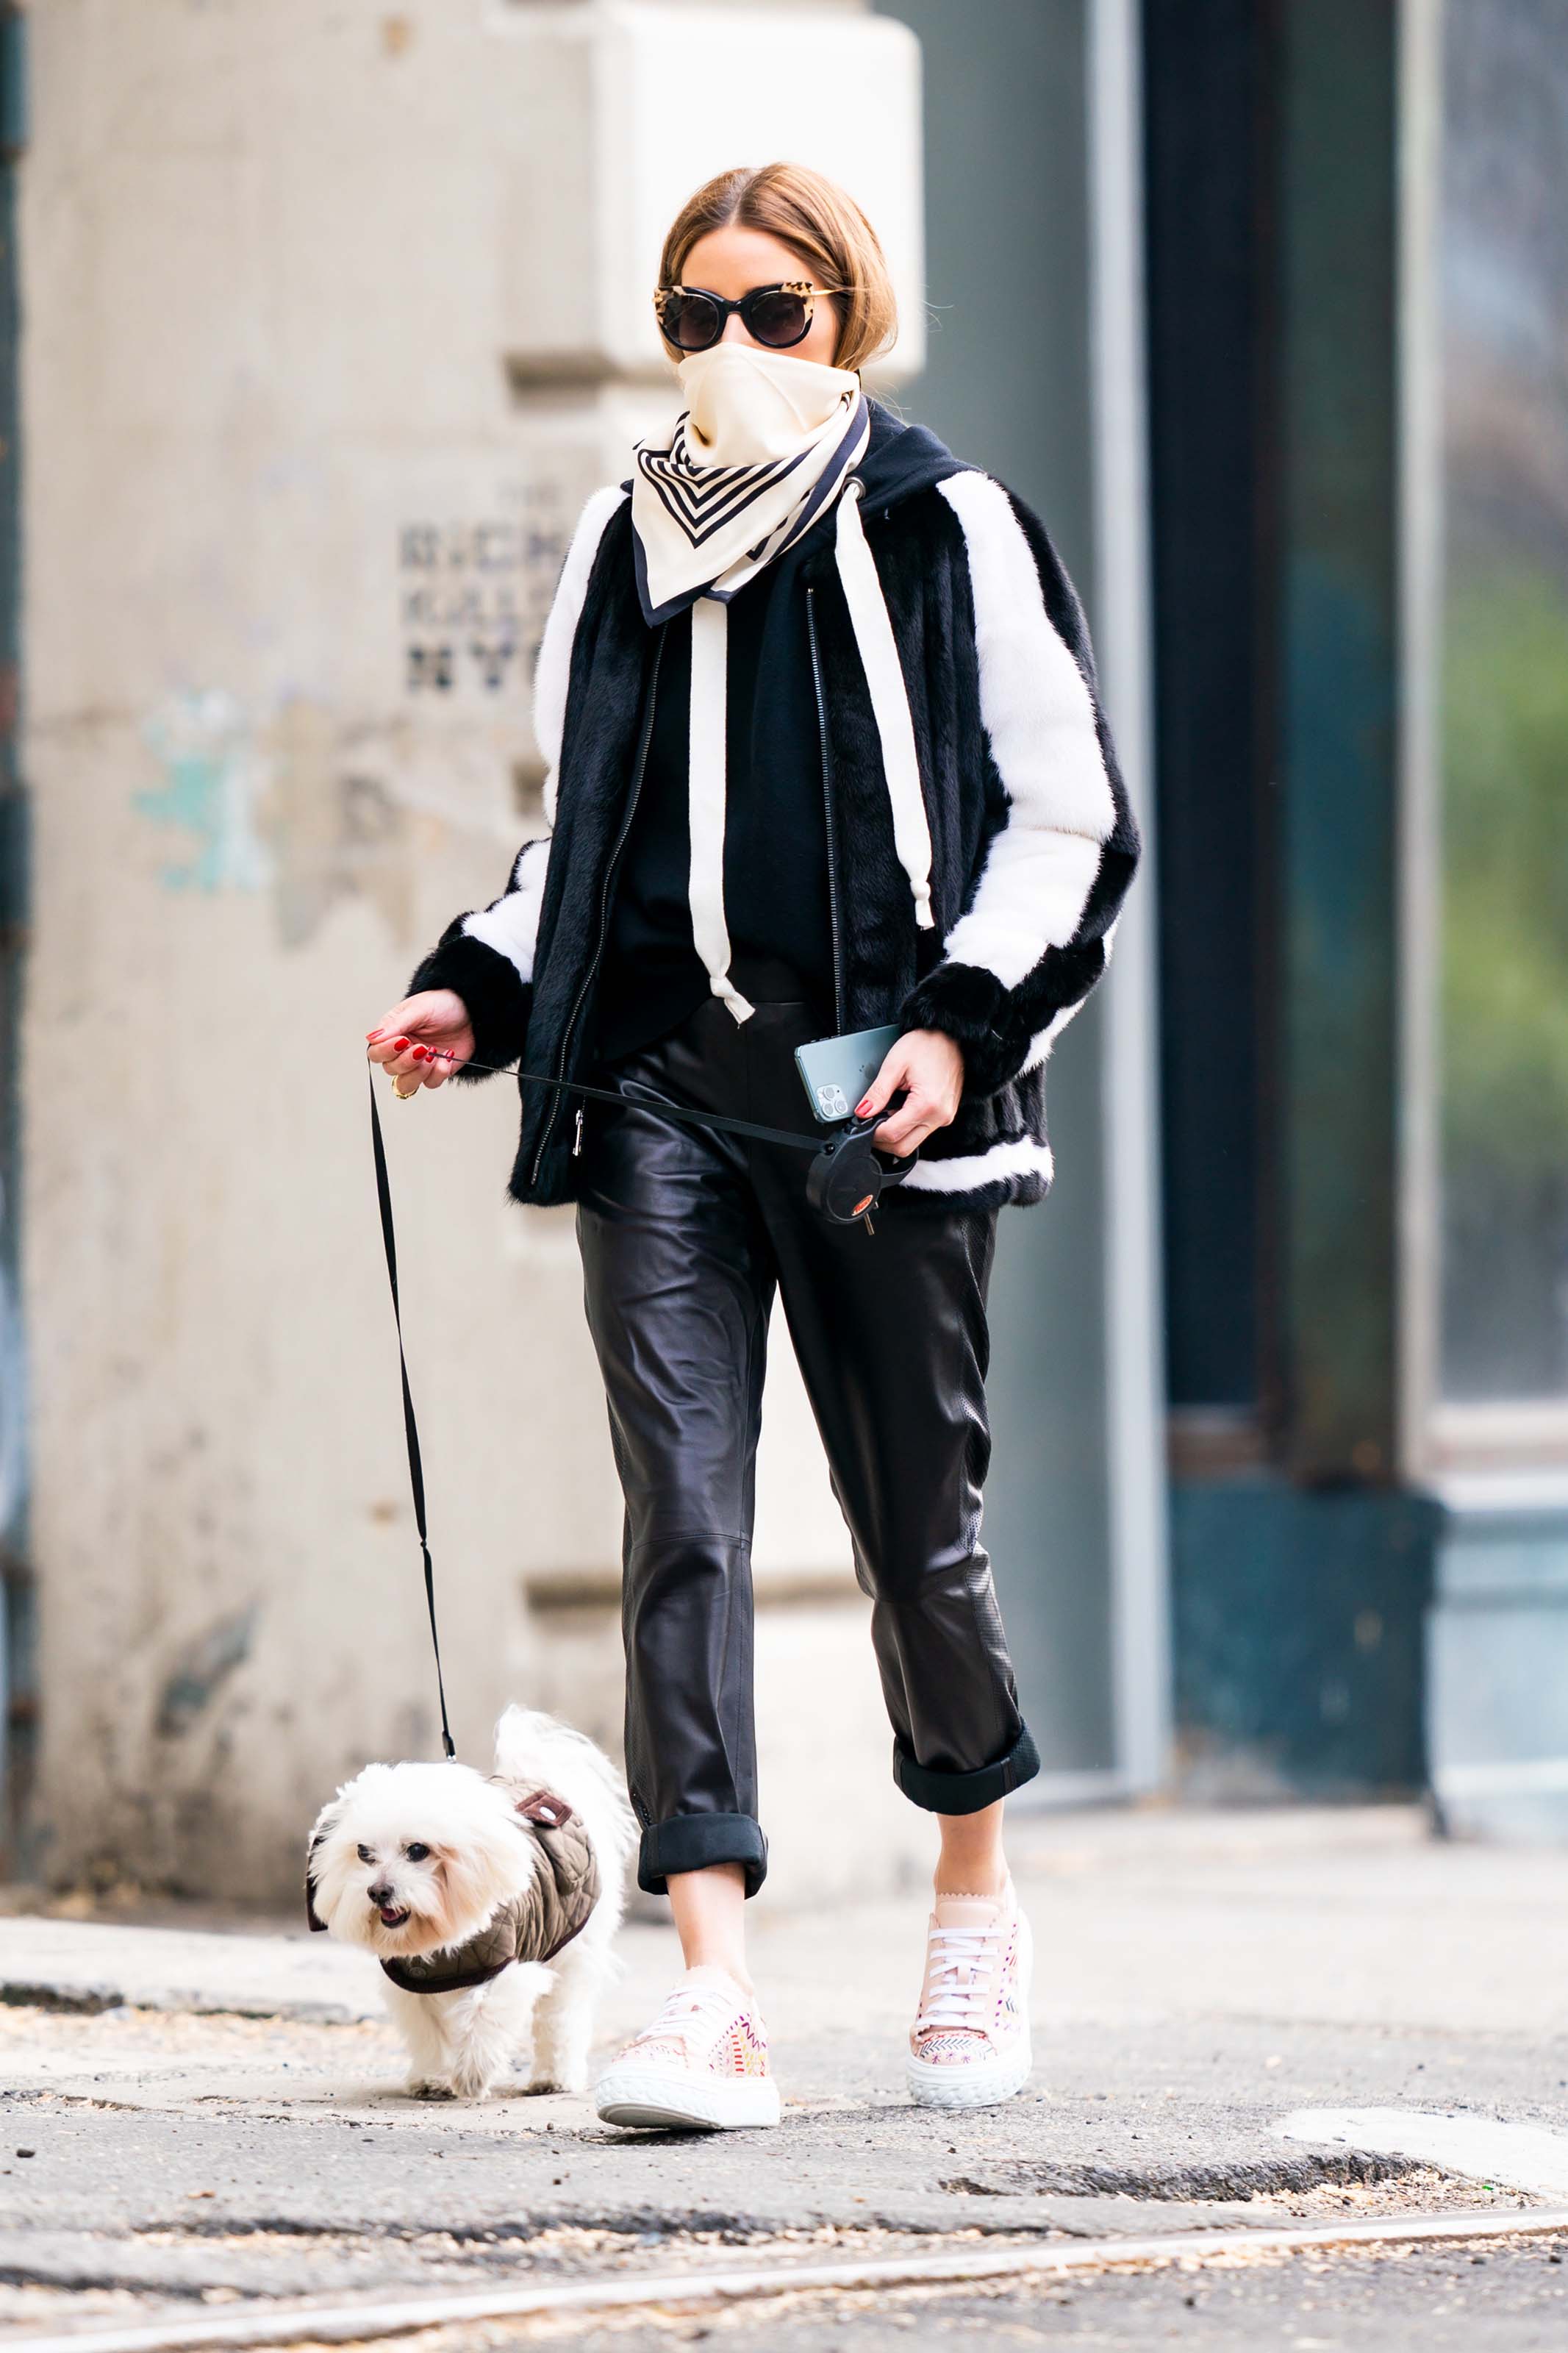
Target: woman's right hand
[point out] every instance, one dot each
(422, 1040)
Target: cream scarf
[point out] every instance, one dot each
(764, 445)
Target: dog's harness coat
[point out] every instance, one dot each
(536, 1926)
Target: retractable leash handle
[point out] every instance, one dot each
(849, 1174)
(847, 1178)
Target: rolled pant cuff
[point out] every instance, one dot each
(692, 1841)
(966, 1793)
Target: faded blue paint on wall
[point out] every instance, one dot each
(212, 780)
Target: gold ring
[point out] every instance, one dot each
(397, 1091)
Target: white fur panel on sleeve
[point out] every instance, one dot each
(968, 1171)
(1039, 719)
(1031, 897)
(552, 671)
(511, 924)
(1040, 1045)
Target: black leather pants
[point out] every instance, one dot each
(684, 1235)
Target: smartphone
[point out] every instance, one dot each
(836, 1071)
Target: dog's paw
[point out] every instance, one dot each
(424, 2087)
(472, 2082)
(540, 2086)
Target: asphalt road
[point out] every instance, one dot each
(177, 2159)
(1499, 2301)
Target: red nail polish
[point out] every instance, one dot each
(423, 1054)
(400, 1042)
(371, 1036)
(863, 1106)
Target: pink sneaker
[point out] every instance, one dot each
(701, 2065)
(969, 2047)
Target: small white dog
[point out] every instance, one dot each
(490, 1902)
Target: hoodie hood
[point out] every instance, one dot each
(901, 458)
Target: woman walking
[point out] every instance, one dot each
(818, 712)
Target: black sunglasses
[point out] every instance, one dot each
(693, 320)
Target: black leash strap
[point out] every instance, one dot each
(410, 1427)
(791, 1136)
(624, 1102)
(389, 1240)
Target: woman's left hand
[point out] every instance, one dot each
(931, 1066)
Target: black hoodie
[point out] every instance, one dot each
(776, 844)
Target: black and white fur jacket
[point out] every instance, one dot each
(1033, 842)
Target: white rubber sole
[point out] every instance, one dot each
(981, 2086)
(670, 2099)
(988, 2080)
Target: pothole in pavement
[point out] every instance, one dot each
(1333, 2183)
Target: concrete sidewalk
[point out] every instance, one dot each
(1352, 1914)
(213, 2113)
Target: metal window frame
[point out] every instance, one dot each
(1135, 1401)
(1420, 398)
(1440, 1437)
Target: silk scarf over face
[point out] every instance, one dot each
(763, 445)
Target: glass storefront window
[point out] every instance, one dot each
(1504, 707)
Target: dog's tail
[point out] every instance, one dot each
(533, 1746)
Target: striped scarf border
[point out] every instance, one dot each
(672, 476)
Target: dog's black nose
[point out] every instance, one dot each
(381, 1896)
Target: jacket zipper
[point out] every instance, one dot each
(618, 845)
(827, 809)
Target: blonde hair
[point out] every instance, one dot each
(815, 218)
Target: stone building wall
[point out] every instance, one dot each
(334, 315)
